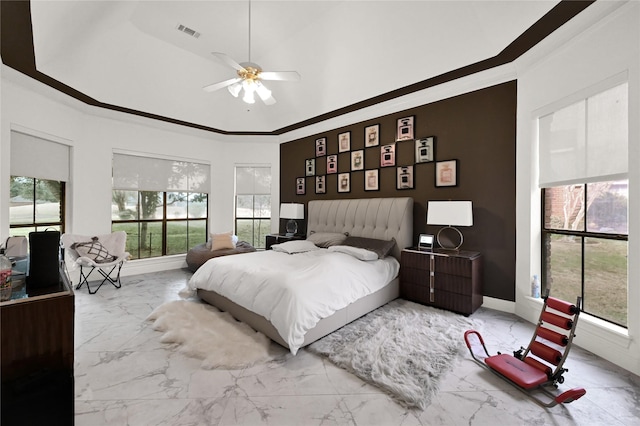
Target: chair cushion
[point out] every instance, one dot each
(519, 372)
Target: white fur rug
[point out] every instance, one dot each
(202, 331)
(402, 347)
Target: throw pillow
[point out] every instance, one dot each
(222, 241)
(381, 247)
(93, 250)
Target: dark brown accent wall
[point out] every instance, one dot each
(478, 129)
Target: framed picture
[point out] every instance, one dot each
(371, 135)
(447, 173)
(321, 185)
(405, 129)
(371, 180)
(425, 150)
(388, 155)
(344, 142)
(344, 182)
(310, 167)
(332, 163)
(404, 177)
(300, 190)
(357, 160)
(321, 147)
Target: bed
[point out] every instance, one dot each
(222, 281)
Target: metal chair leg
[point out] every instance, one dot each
(115, 281)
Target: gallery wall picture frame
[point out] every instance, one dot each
(371, 180)
(404, 130)
(310, 167)
(344, 142)
(332, 163)
(388, 155)
(344, 182)
(425, 149)
(321, 147)
(357, 160)
(404, 177)
(300, 186)
(446, 173)
(321, 184)
(372, 135)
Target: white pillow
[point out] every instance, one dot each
(295, 246)
(358, 253)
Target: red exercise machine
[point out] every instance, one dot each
(538, 368)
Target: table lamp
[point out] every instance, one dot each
(292, 211)
(450, 214)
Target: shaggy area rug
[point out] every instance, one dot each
(204, 332)
(401, 347)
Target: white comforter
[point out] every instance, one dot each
(294, 291)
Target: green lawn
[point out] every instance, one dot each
(605, 293)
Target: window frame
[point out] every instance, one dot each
(583, 235)
(164, 221)
(34, 224)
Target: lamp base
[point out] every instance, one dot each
(292, 228)
(449, 238)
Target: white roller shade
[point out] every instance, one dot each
(39, 158)
(143, 173)
(253, 180)
(586, 141)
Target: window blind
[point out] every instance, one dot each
(144, 173)
(587, 141)
(253, 180)
(38, 158)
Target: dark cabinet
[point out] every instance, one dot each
(37, 355)
(443, 279)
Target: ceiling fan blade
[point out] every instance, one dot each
(220, 85)
(280, 75)
(227, 60)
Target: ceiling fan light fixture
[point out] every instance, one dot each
(249, 89)
(262, 91)
(235, 89)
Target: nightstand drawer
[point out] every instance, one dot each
(464, 304)
(442, 281)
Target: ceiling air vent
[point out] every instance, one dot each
(188, 31)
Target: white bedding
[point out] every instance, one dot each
(294, 291)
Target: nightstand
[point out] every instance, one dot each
(442, 278)
(280, 238)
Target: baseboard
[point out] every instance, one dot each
(499, 304)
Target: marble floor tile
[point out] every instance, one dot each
(125, 375)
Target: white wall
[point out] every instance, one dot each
(551, 74)
(94, 134)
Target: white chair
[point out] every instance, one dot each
(103, 253)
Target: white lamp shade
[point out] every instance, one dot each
(292, 211)
(450, 213)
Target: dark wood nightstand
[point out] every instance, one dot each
(442, 278)
(280, 238)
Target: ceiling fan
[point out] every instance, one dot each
(250, 77)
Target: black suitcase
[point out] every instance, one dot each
(44, 251)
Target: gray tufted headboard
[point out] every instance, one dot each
(381, 218)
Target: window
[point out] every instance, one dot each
(585, 246)
(583, 175)
(253, 204)
(161, 204)
(39, 170)
(35, 205)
